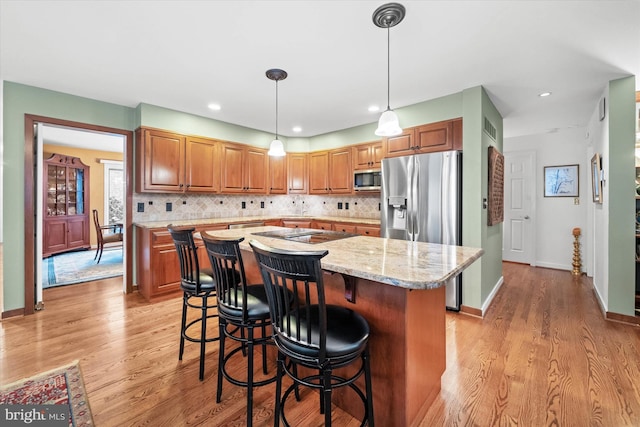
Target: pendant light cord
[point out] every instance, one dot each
(388, 67)
(276, 109)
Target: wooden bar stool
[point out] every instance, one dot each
(310, 333)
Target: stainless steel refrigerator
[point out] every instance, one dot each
(421, 200)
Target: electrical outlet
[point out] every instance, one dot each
(339, 205)
(576, 201)
(244, 205)
(261, 205)
(140, 207)
(346, 206)
(168, 206)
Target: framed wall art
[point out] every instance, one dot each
(596, 178)
(496, 187)
(561, 181)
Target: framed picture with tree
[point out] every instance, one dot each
(562, 181)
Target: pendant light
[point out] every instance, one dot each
(387, 16)
(276, 148)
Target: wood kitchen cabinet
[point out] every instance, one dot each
(244, 169)
(278, 174)
(368, 156)
(174, 163)
(66, 205)
(429, 138)
(331, 172)
(158, 267)
(296, 223)
(298, 173)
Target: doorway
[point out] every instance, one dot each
(31, 186)
(68, 258)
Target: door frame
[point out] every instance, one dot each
(29, 199)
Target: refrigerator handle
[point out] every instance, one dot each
(414, 194)
(410, 198)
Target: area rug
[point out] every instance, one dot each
(78, 267)
(60, 386)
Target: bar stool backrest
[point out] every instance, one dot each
(228, 270)
(293, 276)
(187, 256)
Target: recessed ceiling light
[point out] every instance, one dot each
(214, 107)
(374, 108)
(297, 129)
(543, 94)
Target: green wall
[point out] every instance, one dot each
(19, 100)
(470, 104)
(621, 184)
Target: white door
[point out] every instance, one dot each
(519, 203)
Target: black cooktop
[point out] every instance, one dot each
(306, 235)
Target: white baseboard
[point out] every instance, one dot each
(554, 266)
(493, 293)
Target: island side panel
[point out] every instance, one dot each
(384, 308)
(426, 353)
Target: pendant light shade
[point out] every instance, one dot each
(387, 16)
(388, 125)
(276, 149)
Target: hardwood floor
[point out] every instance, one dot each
(543, 355)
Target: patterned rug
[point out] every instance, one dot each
(78, 267)
(61, 386)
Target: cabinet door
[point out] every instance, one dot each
(362, 157)
(202, 166)
(319, 172)
(165, 270)
(257, 170)
(298, 174)
(55, 236)
(232, 167)
(164, 162)
(340, 171)
(321, 225)
(377, 154)
(434, 137)
(400, 145)
(77, 232)
(278, 174)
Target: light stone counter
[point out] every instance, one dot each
(411, 265)
(237, 220)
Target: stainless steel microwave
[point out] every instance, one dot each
(367, 180)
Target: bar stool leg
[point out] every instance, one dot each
(182, 325)
(203, 336)
(367, 383)
(326, 395)
(222, 327)
(250, 377)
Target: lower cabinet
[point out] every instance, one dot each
(296, 223)
(157, 265)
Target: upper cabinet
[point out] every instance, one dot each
(244, 169)
(330, 172)
(298, 173)
(169, 163)
(440, 136)
(278, 174)
(368, 156)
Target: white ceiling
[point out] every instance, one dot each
(184, 55)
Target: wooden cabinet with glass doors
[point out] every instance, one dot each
(66, 205)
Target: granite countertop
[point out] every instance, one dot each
(236, 220)
(411, 265)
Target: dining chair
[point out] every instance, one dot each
(106, 234)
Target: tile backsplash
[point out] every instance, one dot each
(156, 206)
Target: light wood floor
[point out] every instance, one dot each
(542, 356)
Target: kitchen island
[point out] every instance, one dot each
(399, 287)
